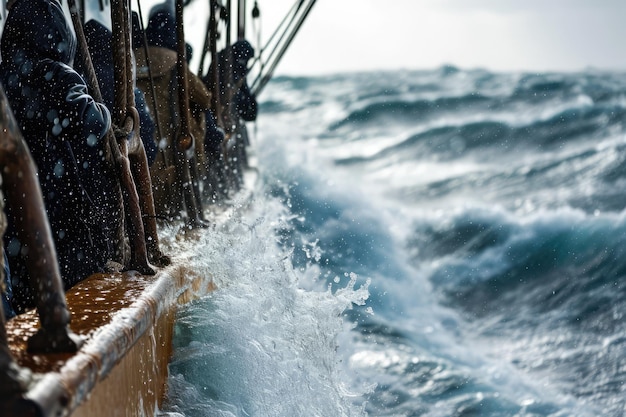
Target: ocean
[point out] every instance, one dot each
(434, 243)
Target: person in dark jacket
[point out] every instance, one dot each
(99, 40)
(64, 129)
(239, 104)
(244, 101)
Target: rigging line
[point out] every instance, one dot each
(213, 70)
(130, 80)
(120, 69)
(185, 146)
(256, 28)
(181, 74)
(293, 11)
(128, 121)
(205, 45)
(214, 5)
(229, 70)
(241, 20)
(144, 39)
(90, 72)
(286, 45)
(290, 27)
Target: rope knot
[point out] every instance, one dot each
(129, 130)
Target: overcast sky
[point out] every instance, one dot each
(501, 35)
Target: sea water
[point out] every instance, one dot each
(421, 243)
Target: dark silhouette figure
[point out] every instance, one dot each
(64, 128)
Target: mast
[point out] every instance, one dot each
(228, 70)
(185, 145)
(214, 73)
(241, 20)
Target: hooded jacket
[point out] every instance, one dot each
(99, 40)
(64, 128)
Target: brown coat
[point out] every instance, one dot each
(163, 69)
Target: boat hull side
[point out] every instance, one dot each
(122, 369)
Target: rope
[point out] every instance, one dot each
(256, 13)
(213, 70)
(262, 80)
(185, 141)
(127, 119)
(146, 49)
(92, 80)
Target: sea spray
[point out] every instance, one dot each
(483, 215)
(262, 344)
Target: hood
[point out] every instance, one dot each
(242, 52)
(36, 30)
(161, 29)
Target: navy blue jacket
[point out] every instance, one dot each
(99, 42)
(244, 100)
(64, 129)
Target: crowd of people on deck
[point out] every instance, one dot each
(66, 130)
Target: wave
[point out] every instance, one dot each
(424, 96)
(491, 263)
(293, 82)
(408, 111)
(600, 87)
(499, 137)
(510, 189)
(546, 292)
